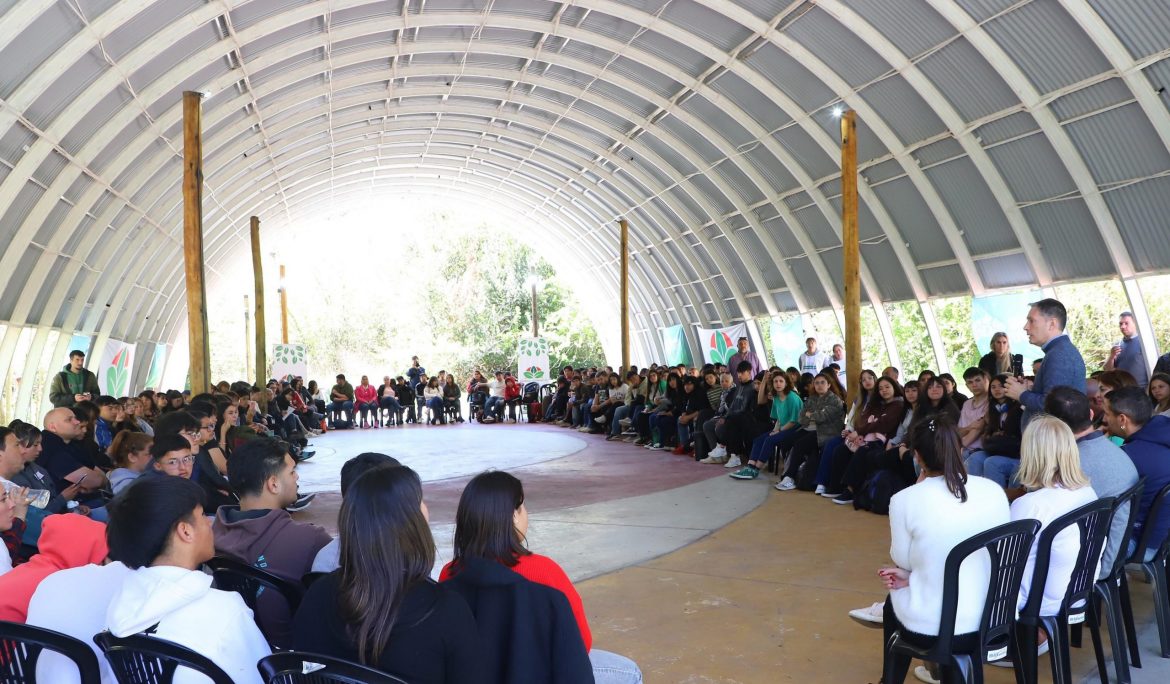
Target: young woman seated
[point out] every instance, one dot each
(821, 419)
(1000, 455)
(786, 405)
(878, 423)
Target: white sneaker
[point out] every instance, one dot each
(711, 459)
(870, 614)
(719, 451)
(786, 484)
(582, 429)
(820, 490)
(733, 462)
(624, 422)
(600, 420)
(922, 673)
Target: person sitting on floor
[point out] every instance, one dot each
(491, 527)
(380, 608)
(159, 530)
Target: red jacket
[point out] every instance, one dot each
(511, 389)
(67, 541)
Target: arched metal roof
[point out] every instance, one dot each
(1004, 143)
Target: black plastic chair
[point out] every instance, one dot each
(293, 667)
(1156, 573)
(1114, 606)
(1092, 523)
(1007, 546)
(21, 646)
(250, 582)
(142, 659)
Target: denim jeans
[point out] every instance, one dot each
(1149, 555)
(494, 407)
(611, 668)
(618, 415)
(826, 465)
(763, 445)
(340, 407)
(1001, 470)
(974, 462)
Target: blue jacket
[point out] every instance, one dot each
(1149, 449)
(1063, 366)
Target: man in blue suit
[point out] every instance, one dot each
(1063, 365)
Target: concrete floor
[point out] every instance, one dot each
(699, 578)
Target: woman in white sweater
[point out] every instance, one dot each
(927, 520)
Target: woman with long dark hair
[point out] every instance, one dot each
(877, 425)
(491, 525)
(380, 608)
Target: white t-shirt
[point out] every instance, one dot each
(74, 602)
(329, 557)
(1047, 505)
(811, 363)
(926, 522)
(496, 388)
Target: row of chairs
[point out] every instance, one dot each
(141, 659)
(1088, 602)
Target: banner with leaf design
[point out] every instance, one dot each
(719, 343)
(117, 365)
(158, 361)
(289, 360)
(674, 345)
(533, 363)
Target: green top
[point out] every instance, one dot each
(786, 410)
(343, 388)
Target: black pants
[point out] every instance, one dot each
(738, 432)
(803, 444)
(896, 666)
(868, 461)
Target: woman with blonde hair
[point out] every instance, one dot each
(1050, 469)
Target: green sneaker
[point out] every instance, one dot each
(746, 473)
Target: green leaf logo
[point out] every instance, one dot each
(720, 345)
(118, 377)
(533, 373)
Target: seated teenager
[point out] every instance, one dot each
(927, 520)
(130, 453)
(328, 558)
(171, 455)
(67, 541)
(695, 403)
(878, 423)
(822, 418)
(14, 503)
(261, 533)
(785, 414)
(159, 530)
(380, 608)
(1000, 454)
(492, 564)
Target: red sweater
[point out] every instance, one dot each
(544, 570)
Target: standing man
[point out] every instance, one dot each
(74, 383)
(415, 373)
(744, 354)
(838, 358)
(1127, 354)
(1063, 365)
(811, 361)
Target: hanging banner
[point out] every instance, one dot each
(674, 344)
(289, 361)
(532, 363)
(113, 373)
(1005, 313)
(157, 362)
(787, 340)
(719, 343)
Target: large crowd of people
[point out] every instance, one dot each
(131, 496)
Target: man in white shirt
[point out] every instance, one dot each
(493, 408)
(811, 361)
(158, 529)
(838, 358)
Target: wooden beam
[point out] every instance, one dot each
(258, 316)
(200, 368)
(283, 308)
(625, 294)
(248, 351)
(852, 253)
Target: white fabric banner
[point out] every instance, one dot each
(117, 366)
(532, 363)
(719, 343)
(289, 360)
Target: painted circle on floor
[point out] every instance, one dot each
(460, 451)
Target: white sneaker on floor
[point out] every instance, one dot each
(582, 429)
(624, 422)
(820, 490)
(599, 420)
(711, 459)
(719, 451)
(733, 462)
(786, 484)
(922, 673)
(870, 614)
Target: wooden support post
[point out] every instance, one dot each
(535, 313)
(283, 308)
(200, 368)
(852, 252)
(258, 274)
(625, 294)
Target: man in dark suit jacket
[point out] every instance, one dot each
(1063, 365)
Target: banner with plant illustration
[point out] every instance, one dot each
(289, 361)
(719, 343)
(674, 345)
(158, 361)
(116, 367)
(532, 362)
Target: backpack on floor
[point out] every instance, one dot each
(534, 412)
(877, 490)
(806, 474)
